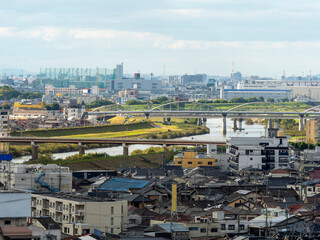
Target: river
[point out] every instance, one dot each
(214, 124)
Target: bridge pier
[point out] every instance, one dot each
(269, 123)
(301, 126)
(169, 121)
(125, 149)
(204, 122)
(276, 123)
(34, 155)
(240, 123)
(199, 122)
(234, 127)
(147, 115)
(81, 149)
(224, 124)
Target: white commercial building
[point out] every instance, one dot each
(258, 152)
(275, 94)
(36, 177)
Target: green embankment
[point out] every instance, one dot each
(82, 131)
(100, 161)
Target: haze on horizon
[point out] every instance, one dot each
(260, 37)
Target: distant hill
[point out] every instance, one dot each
(14, 71)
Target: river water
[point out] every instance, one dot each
(214, 124)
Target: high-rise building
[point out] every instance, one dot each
(119, 71)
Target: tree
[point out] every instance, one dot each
(252, 99)
(238, 100)
(220, 101)
(160, 100)
(270, 100)
(135, 102)
(261, 99)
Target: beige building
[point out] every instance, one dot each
(312, 130)
(79, 215)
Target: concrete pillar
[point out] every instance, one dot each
(169, 121)
(234, 127)
(81, 149)
(164, 121)
(276, 123)
(147, 115)
(204, 122)
(165, 149)
(240, 123)
(224, 124)
(125, 149)
(199, 122)
(301, 126)
(269, 123)
(34, 151)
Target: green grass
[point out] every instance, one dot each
(81, 131)
(98, 161)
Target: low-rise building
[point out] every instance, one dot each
(69, 210)
(15, 208)
(48, 178)
(190, 159)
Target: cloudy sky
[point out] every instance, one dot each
(187, 36)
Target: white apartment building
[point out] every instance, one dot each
(275, 94)
(258, 152)
(70, 91)
(36, 177)
(78, 215)
(4, 130)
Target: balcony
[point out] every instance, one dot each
(80, 212)
(59, 208)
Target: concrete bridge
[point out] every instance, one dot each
(236, 113)
(34, 141)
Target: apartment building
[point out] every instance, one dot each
(313, 130)
(255, 152)
(38, 177)
(79, 215)
(193, 159)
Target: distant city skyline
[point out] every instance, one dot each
(262, 38)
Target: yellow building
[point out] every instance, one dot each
(193, 159)
(312, 131)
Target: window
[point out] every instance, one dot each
(209, 163)
(111, 221)
(231, 227)
(193, 229)
(111, 230)
(189, 162)
(251, 159)
(133, 221)
(7, 222)
(199, 162)
(112, 210)
(223, 227)
(241, 227)
(203, 230)
(179, 162)
(214, 229)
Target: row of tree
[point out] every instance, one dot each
(8, 93)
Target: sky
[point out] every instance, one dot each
(167, 37)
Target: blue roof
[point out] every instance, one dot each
(255, 90)
(122, 184)
(176, 227)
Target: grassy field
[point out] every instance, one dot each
(82, 131)
(99, 161)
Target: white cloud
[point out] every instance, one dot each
(44, 33)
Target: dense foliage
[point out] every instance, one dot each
(99, 103)
(7, 93)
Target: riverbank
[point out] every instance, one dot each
(149, 130)
(105, 162)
